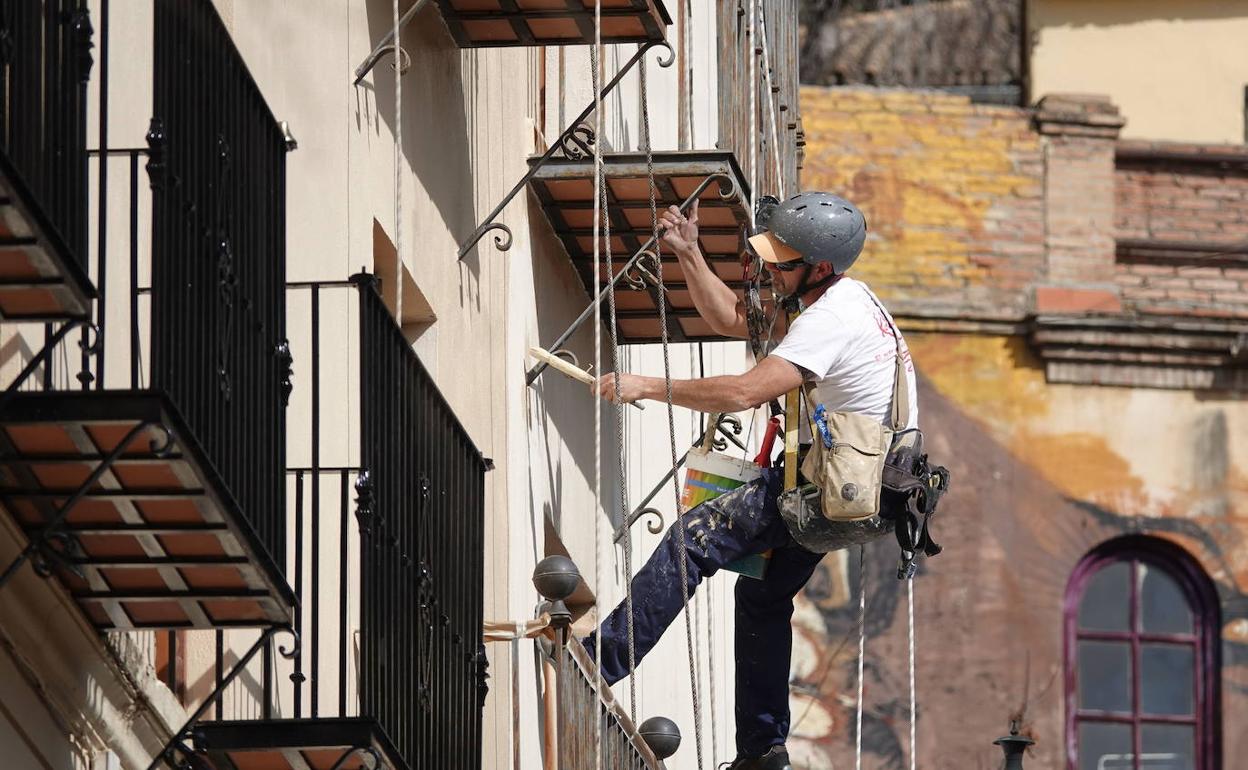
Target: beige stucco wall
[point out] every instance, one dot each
(1177, 71)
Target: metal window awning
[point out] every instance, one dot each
(40, 279)
(482, 23)
(565, 188)
(148, 535)
(297, 744)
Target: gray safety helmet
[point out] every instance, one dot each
(821, 227)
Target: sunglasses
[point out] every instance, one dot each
(787, 267)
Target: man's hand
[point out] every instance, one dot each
(632, 387)
(680, 234)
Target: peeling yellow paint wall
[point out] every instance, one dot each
(951, 191)
(1134, 451)
(1042, 472)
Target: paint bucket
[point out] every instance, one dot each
(711, 474)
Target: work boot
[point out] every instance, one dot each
(776, 758)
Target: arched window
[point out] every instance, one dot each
(1141, 660)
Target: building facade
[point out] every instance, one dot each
(1074, 303)
(280, 259)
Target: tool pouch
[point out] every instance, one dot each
(849, 473)
(801, 510)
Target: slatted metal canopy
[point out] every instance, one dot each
(40, 279)
(155, 541)
(565, 188)
(492, 23)
(297, 744)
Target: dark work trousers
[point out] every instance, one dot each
(742, 522)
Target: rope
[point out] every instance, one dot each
(752, 79)
(398, 138)
(671, 417)
(710, 672)
(862, 648)
(619, 436)
(771, 102)
(910, 622)
(598, 185)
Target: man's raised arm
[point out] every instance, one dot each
(715, 301)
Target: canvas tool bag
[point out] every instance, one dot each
(849, 474)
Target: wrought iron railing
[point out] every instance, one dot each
(580, 703)
(217, 165)
(45, 61)
(421, 513)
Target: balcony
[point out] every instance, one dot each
(157, 500)
(388, 668)
(565, 187)
(493, 23)
(43, 160)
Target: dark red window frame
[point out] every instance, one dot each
(1203, 601)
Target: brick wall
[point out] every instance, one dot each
(1181, 217)
(953, 194)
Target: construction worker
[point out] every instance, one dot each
(847, 345)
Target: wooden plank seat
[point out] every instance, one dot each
(296, 744)
(565, 188)
(157, 541)
(493, 23)
(40, 278)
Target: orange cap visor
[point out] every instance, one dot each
(771, 249)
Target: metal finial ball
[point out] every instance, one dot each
(556, 577)
(661, 735)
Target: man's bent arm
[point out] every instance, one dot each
(771, 378)
(715, 301)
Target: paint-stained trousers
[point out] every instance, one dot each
(743, 522)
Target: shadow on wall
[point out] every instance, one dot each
(434, 112)
(989, 614)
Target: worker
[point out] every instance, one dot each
(846, 344)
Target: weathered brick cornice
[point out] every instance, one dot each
(1227, 157)
(1157, 352)
(1078, 115)
(1125, 349)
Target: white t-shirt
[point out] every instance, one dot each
(848, 345)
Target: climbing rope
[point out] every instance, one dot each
(671, 418)
(752, 79)
(862, 648)
(910, 622)
(398, 137)
(595, 61)
(619, 431)
(771, 104)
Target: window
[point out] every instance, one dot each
(1141, 660)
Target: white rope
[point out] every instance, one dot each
(752, 79)
(683, 561)
(598, 184)
(398, 138)
(862, 649)
(910, 621)
(710, 672)
(771, 102)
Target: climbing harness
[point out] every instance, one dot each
(909, 482)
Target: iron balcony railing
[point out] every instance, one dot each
(422, 574)
(218, 168)
(45, 63)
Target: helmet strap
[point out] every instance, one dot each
(793, 303)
